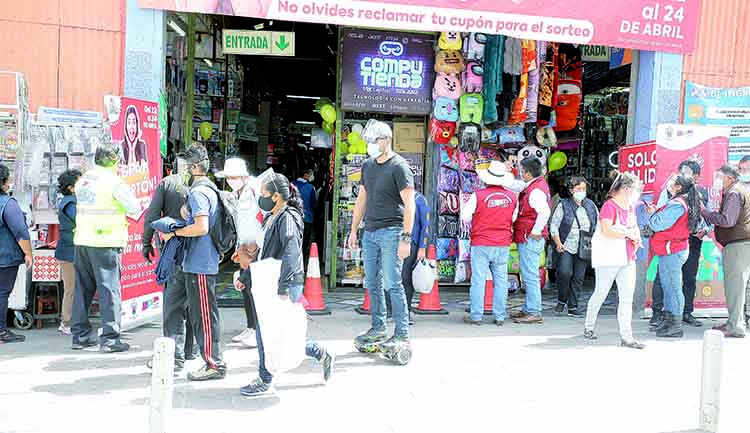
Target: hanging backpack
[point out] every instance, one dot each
(442, 131)
(446, 109)
(472, 106)
(448, 86)
(473, 77)
(224, 230)
(450, 41)
(471, 137)
(474, 45)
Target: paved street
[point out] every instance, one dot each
(516, 378)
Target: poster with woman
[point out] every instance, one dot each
(135, 129)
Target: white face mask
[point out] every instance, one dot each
(236, 184)
(373, 149)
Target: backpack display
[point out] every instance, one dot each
(474, 45)
(449, 62)
(446, 109)
(447, 203)
(472, 106)
(471, 137)
(442, 131)
(450, 41)
(224, 231)
(473, 77)
(447, 226)
(448, 86)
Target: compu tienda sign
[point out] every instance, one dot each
(258, 43)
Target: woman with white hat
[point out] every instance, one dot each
(236, 174)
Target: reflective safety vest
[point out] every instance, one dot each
(101, 220)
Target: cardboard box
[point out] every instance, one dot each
(409, 137)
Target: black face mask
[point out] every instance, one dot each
(266, 204)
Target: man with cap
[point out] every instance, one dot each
(104, 204)
(386, 202)
(249, 221)
(168, 200)
(491, 211)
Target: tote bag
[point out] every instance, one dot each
(606, 251)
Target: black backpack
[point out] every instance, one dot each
(224, 231)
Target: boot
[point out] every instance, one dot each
(656, 319)
(673, 328)
(663, 321)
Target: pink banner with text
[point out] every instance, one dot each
(654, 25)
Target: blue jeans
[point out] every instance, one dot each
(494, 259)
(312, 349)
(529, 254)
(670, 276)
(383, 272)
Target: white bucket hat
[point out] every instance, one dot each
(234, 167)
(494, 173)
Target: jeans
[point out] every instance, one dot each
(97, 271)
(605, 276)
(7, 281)
(689, 274)
(495, 260)
(312, 349)
(380, 251)
(406, 279)
(528, 254)
(670, 275)
(571, 271)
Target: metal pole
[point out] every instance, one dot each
(162, 385)
(713, 345)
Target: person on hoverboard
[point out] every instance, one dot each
(386, 201)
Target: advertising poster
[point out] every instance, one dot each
(721, 106)
(654, 25)
(135, 129)
(708, 145)
(640, 160)
(387, 72)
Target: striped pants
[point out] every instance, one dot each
(204, 317)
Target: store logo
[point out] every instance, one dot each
(388, 71)
(389, 48)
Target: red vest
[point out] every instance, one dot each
(526, 214)
(674, 239)
(492, 225)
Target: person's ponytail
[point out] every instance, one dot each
(294, 198)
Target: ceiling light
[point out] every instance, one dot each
(305, 122)
(209, 63)
(302, 97)
(176, 28)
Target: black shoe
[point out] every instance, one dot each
(411, 319)
(689, 319)
(666, 318)
(178, 365)
(82, 344)
(115, 347)
(327, 362)
(10, 337)
(560, 308)
(656, 319)
(257, 388)
(576, 314)
(672, 327)
(469, 321)
(498, 322)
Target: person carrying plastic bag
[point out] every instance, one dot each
(282, 241)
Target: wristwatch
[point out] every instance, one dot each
(405, 237)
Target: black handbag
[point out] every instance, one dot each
(584, 241)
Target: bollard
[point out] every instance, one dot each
(162, 385)
(713, 342)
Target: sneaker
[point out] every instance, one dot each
(206, 373)
(689, 319)
(559, 308)
(82, 344)
(468, 320)
(327, 362)
(498, 322)
(257, 388)
(250, 340)
(114, 347)
(392, 342)
(10, 337)
(589, 334)
(575, 314)
(64, 330)
(178, 366)
(242, 335)
(529, 320)
(372, 336)
(518, 314)
(632, 345)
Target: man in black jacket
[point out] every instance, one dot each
(168, 199)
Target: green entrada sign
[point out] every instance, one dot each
(258, 43)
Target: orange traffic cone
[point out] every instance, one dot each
(429, 304)
(313, 289)
(364, 309)
(489, 294)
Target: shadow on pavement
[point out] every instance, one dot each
(97, 385)
(109, 362)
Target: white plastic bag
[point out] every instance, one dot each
(17, 300)
(283, 324)
(424, 276)
(606, 251)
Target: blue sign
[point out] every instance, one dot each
(387, 72)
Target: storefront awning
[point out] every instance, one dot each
(664, 25)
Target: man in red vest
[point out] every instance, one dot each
(529, 234)
(491, 211)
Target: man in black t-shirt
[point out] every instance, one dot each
(386, 201)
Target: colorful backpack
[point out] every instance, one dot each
(470, 182)
(450, 41)
(471, 137)
(569, 97)
(474, 44)
(442, 131)
(449, 62)
(446, 109)
(510, 135)
(463, 272)
(448, 86)
(472, 106)
(466, 160)
(449, 157)
(473, 77)
(448, 180)
(448, 203)
(464, 250)
(446, 270)
(447, 226)
(446, 248)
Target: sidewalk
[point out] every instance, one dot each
(516, 378)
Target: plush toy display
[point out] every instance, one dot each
(569, 97)
(449, 62)
(473, 77)
(450, 41)
(446, 109)
(528, 151)
(448, 86)
(442, 131)
(472, 106)
(474, 45)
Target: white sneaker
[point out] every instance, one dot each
(242, 335)
(250, 340)
(64, 330)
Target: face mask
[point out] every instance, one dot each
(236, 184)
(373, 149)
(745, 178)
(579, 196)
(266, 204)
